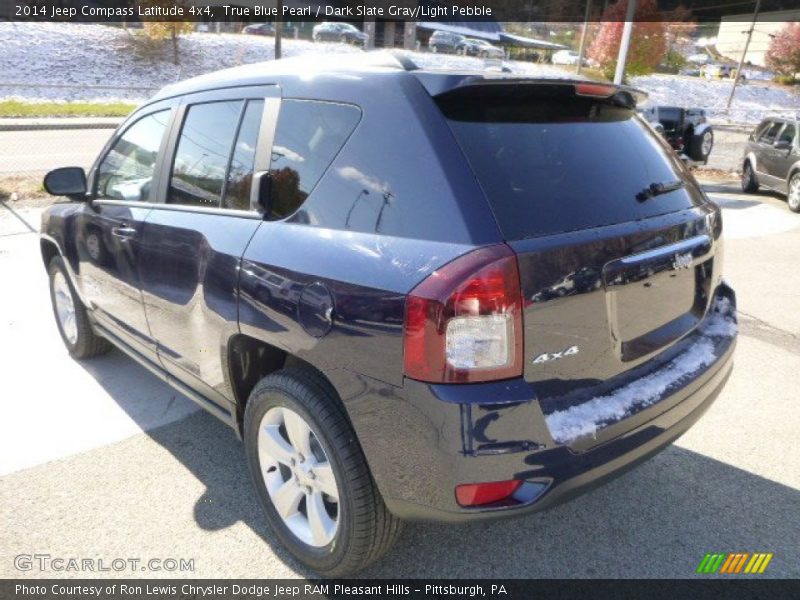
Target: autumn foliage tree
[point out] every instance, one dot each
(648, 40)
(783, 54)
(160, 31)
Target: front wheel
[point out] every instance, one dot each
(71, 317)
(793, 198)
(311, 476)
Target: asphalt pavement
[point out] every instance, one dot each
(45, 149)
(101, 460)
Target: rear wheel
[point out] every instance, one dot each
(793, 198)
(749, 181)
(311, 475)
(70, 313)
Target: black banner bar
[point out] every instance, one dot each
(440, 11)
(412, 589)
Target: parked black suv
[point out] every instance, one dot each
(338, 32)
(772, 160)
(445, 41)
(414, 294)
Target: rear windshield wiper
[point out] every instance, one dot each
(656, 189)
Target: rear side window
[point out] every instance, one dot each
(240, 173)
(213, 163)
(126, 172)
(550, 161)
(201, 159)
(308, 137)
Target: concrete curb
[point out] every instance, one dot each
(9, 124)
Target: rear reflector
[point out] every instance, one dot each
(480, 494)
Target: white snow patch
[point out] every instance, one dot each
(751, 103)
(85, 55)
(587, 418)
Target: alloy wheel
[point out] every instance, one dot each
(705, 146)
(298, 476)
(794, 193)
(65, 307)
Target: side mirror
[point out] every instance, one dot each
(783, 145)
(67, 181)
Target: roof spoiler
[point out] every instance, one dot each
(439, 84)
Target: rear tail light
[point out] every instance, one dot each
(464, 322)
(481, 494)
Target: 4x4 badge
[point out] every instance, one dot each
(682, 261)
(547, 356)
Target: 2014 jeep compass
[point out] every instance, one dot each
(414, 294)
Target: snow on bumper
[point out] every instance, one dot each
(588, 418)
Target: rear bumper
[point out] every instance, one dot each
(491, 432)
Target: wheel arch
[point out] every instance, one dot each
(49, 249)
(249, 360)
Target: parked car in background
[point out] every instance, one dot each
(566, 57)
(480, 48)
(701, 58)
(720, 71)
(338, 32)
(444, 41)
(259, 29)
(525, 301)
(686, 129)
(772, 160)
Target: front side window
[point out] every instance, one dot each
(308, 137)
(126, 172)
(770, 133)
(204, 148)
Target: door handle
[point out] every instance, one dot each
(123, 232)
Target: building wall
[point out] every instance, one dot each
(733, 34)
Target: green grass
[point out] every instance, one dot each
(15, 108)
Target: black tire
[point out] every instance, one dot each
(87, 344)
(749, 180)
(696, 150)
(366, 528)
(793, 193)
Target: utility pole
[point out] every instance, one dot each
(583, 37)
(744, 54)
(279, 30)
(625, 43)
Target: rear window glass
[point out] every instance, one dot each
(549, 161)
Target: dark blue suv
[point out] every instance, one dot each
(416, 295)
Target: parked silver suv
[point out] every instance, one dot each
(772, 159)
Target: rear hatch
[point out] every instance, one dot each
(616, 243)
